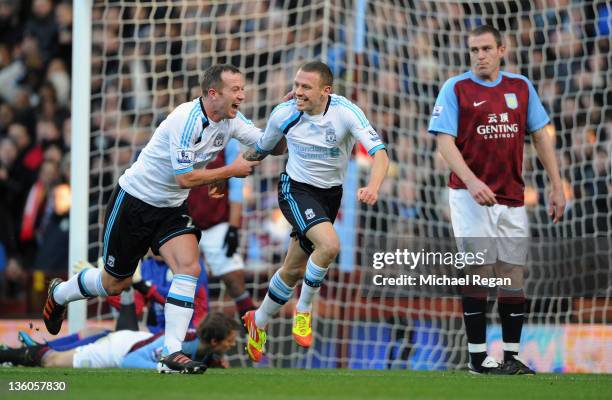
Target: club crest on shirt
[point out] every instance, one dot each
(218, 140)
(330, 136)
(511, 100)
(309, 213)
(185, 157)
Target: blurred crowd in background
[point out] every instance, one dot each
(147, 58)
(35, 61)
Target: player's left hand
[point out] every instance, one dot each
(232, 239)
(215, 190)
(367, 195)
(556, 204)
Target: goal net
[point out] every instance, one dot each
(390, 57)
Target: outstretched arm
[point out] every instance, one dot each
(240, 168)
(254, 155)
(258, 155)
(369, 194)
(477, 188)
(273, 141)
(546, 153)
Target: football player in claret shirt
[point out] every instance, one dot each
(321, 129)
(481, 119)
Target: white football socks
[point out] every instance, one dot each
(85, 284)
(178, 311)
(313, 278)
(278, 294)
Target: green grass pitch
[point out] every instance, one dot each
(294, 384)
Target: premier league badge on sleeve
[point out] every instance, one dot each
(185, 157)
(437, 110)
(511, 100)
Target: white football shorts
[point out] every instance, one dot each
(500, 231)
(212, 245)
(107, 352)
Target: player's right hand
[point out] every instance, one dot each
(215, 190)
(480, 192)
(242, 168)
(367, 195)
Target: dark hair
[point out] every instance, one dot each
(483, 29)
(212, 77)
(217, 326)
(322, 69)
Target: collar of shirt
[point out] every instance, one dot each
(484, 83)
(318, 117)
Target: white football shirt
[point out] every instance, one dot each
(185, 140)
(319, 145)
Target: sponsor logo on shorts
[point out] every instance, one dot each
(309, 213)
(189, 220)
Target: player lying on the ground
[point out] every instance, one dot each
(81, 338)
(154, 286)
(151, 281)
(133, 349)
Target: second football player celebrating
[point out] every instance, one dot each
(320, 129)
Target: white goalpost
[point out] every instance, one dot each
(79, 158)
